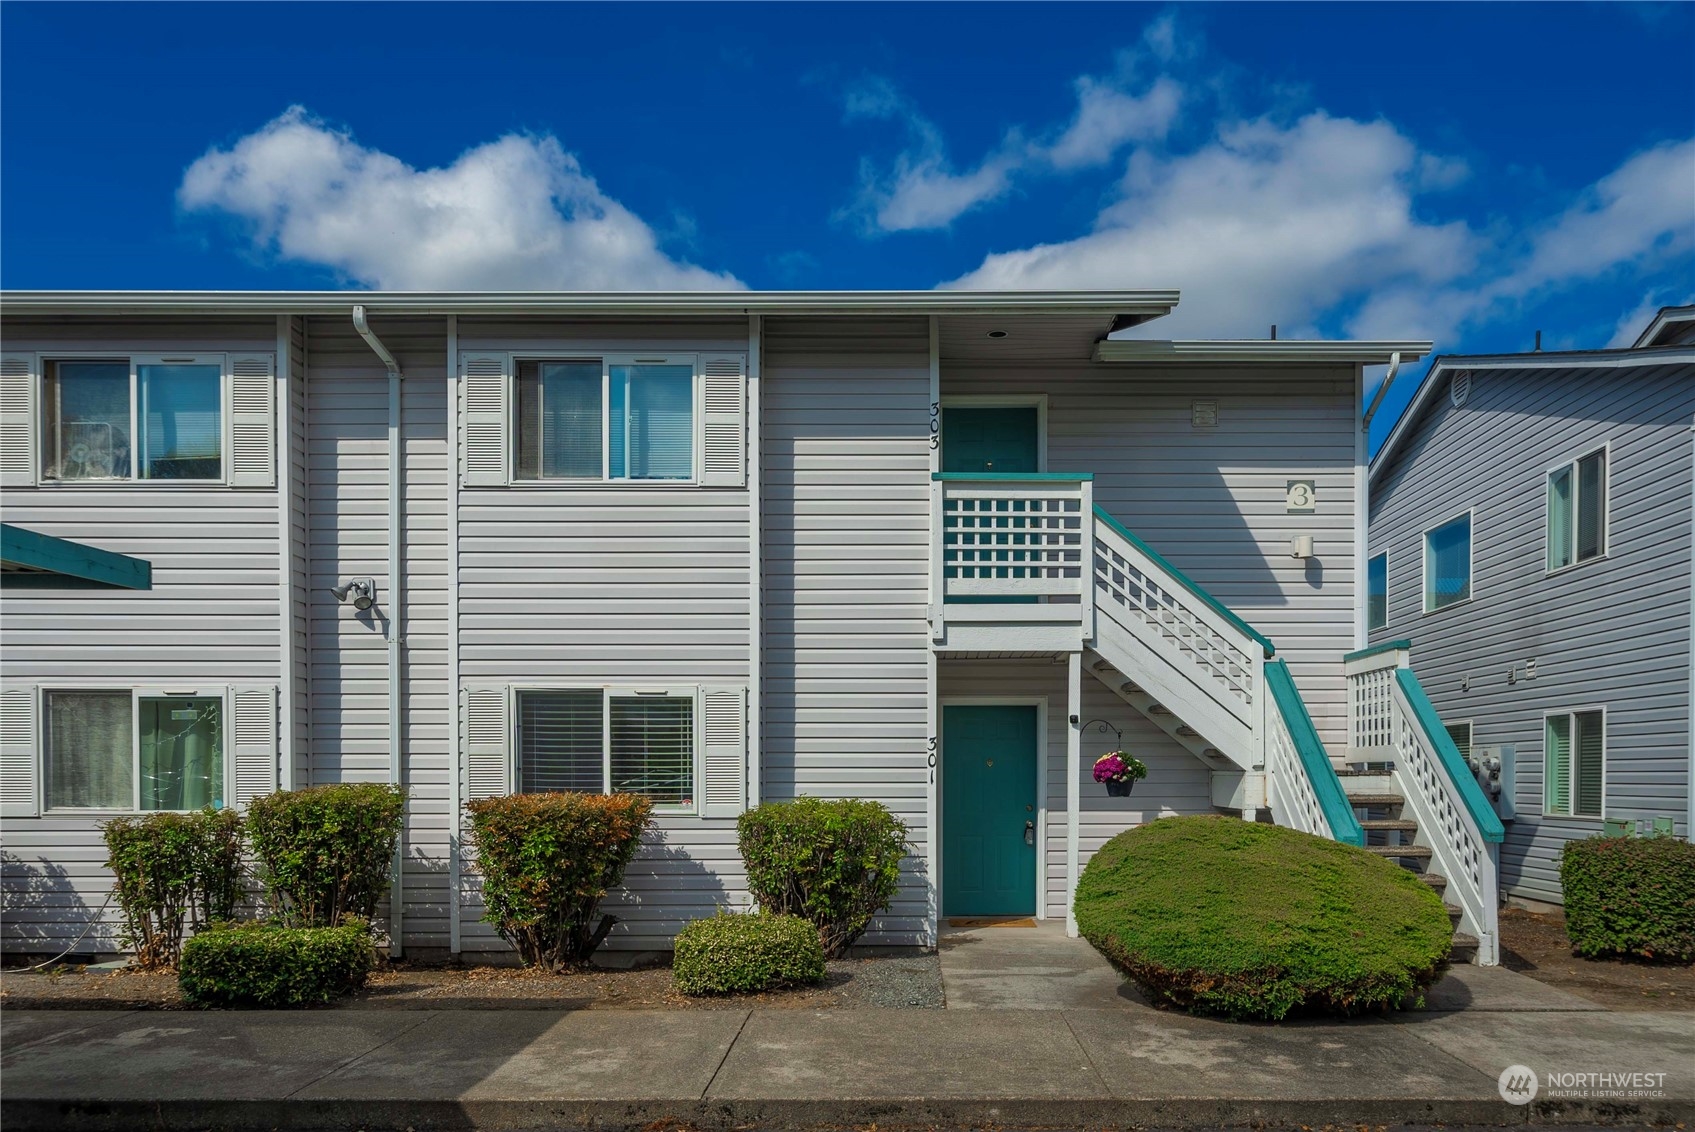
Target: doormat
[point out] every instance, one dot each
(991, 922)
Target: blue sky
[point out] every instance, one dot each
(1470, 173)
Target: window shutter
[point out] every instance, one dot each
(17, 420)
(724, 420)
(484, 426)
(255, 734)
(725, 757)
(20, 793)
(252, 429)
(488, 756)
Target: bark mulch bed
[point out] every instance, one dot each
(907, 981)
(1535, 944)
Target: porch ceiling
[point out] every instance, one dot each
(966, 337)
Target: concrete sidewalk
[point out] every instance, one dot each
(1125, 1064)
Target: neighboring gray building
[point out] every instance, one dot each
(1530, 535)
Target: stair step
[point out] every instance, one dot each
(1420, 852)
(1435, 880)
(1361, 772)
(1454, 912)
(1464, 947)
(1401, 824)
(1375, 799)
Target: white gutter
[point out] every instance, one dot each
(1256, 350)
(1382, 391)
(1139, 305)
(392, 623)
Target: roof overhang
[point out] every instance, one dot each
(1258, 350)
(1573, 359)
(1666, 319)
(30, 559)
(1115, 308)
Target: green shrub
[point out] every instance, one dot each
(727, 954)
(176, 873)
(835, 863)
(1630, 896)
(270, 965)
(327, 852)
(1222, 916)
(547, 860)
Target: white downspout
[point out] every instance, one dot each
(1362, 498)
(391, 623)
(1383, 390)
(1689, 783)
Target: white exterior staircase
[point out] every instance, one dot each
(1044, 570)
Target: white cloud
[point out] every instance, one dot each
(1267, 223)
(517, 213)
(922, 189)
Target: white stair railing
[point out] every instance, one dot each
(1302, 786)
(1392, 720)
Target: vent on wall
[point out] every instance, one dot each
(1459, 389)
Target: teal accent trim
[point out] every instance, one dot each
(1488, 821)
(1375, 649)
(1013, 477)
(1189, 583)
(1338, 811)
(32, 560)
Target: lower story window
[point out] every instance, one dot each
(1460, 733)
(1574, 761)
(608, 742)
(130, 750)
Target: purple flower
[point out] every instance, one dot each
(1110, 768)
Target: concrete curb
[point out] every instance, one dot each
(28, 1115)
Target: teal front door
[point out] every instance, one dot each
(988, 810)
(990, 438)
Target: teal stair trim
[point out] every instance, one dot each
(1375, 649)
(1338, 811)
(30, 559)
(1012, 477)
(1488, 821)
(1189, 583)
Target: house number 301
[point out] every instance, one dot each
(1301, 497)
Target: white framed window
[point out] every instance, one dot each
(1460, 733)
(588, 419)
(103, 419)
(1577, 510)
(609, 741)
(1447, 563)
(135, 749)
(1377, 591)
(1574, 758)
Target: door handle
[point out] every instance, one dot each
(1029, 833)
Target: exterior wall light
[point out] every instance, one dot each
(1300, 546)
(361, 591)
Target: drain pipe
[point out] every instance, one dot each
(1362, 494)
(1383, 390)
(391, 623)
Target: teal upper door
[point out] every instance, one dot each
(991, 438)
(988, 809)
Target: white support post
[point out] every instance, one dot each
(938, 592)
(456, 753)
(932, 798)
(1073, 785)
(1086, 579)
(756, 574)
(1261, 712)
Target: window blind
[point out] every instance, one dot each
(90, 754)
(653, 747)
(1587, 747)
(1559, 518)
(1556, 787)
(559, 741)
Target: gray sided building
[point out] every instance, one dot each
(1530, 535)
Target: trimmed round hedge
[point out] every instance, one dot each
(1221, 916)
(727, 954)
(1630, 896)
(273, 966)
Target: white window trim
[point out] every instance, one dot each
(137, 692)
(1369, 627)
(1000, 401)
(1470, 730)
(1572, 714)
(692, 692)
(1424, 595)
(608, 359)
(45, 358)
(1606, 448)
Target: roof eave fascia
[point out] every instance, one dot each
(1257, 350)
(1666, 317)
(1597, 359)
(1142, 305)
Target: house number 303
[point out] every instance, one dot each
(1301, 497)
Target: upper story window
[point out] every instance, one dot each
(615, 419)
(1377, 591)
(133, 418)
(1447, 563)
(602, 418)
(1577, 510)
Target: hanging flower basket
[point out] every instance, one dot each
(1118, 772)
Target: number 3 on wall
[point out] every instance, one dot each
(1300, 497)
